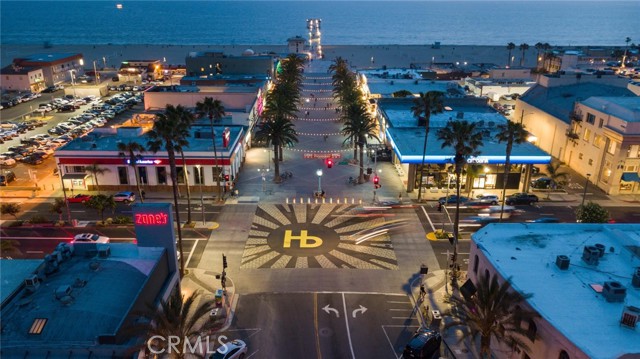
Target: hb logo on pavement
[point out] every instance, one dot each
(306, 241)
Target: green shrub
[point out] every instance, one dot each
(122, 220)
(38, 219)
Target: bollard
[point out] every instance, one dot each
(353, 200)
(287, 200)
(301, 200)
(294, 201)
(331, 200)
(308, 200)
(345, 200)
(338, 201)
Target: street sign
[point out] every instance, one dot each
(322, 155)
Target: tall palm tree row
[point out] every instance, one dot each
(358, 126)
(132, 151)
(511, 133)
(167, 134)
(279, 131)
(465, 139)
(214, 110)
(423, 107)
(494, 311)
(523, 47)
(280, 104)
(96, 170)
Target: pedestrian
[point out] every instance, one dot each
(325, 138)
(423, 292)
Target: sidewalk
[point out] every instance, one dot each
(206, 282)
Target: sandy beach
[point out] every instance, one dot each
(360, 56)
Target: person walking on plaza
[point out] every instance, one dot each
(423, 292)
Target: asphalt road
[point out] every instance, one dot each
(324, 325)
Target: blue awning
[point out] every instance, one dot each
(630, 177)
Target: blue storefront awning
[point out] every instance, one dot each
(630, 177)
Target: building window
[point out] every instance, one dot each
(587, 135)
(590, 162)
(77, 169)
(486, 273)
(601, 123)
(122, 175)
(634, 151)
(612, 148)
(598, 141)
(591, 118)
(475, 264)
(161, 172)
(199, 178)
(532, 330)
(606, 174)
(142, 172)
(180, 175)
(563, 355)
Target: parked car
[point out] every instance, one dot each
(7, 177)
(89, 238)
(79, 198)
(542, 183)
(453, 199)
(521, 198)
(236, 349)
(124, 197)
(425, 344)
(483, 200)
(544, 220)
(66, 108)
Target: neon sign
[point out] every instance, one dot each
(144, 162)
(151, 219)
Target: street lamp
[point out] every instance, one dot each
(200, 179)
(584, 194)
(73, 81)
(319, 174)
(64, 192)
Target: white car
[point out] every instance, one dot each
(7, 161)
(124, 197)
(90, 238)
(236, 349)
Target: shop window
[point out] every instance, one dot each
(199, 178)
(634, 151)
(606, 174)
(598, 141)
(123, 177)
(216, 171)
(76, 169)
(180, 175)
(631, 168)
(591, 118)
(142, 173)
(161, 172)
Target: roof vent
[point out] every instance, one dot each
(104, 252)
(635, 280)
(460, 115)
(601, 249)
(79, 283)
(614, 291)
(590, 255)
(630, 316)
(94, 265)
(32, 283)
(562, 262)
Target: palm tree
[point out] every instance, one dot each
(184, 119)
(465, 139)
(100, 203)
(510, 133)
(58, 207)
(165, 135)
(557, 176)
(523, 47)
(538, 46)
(132, 151)
(510, 47)
(291, 71)
(280, 132)
(177, 317)
(96, 170)
(215, 111)
(359, 126)
(624, 58)
(493, 312)
(425, 105)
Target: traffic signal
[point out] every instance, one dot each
(329, 162)
(226, 177)
(376, 182)
(224, 262)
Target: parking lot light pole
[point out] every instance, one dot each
(319, 174)
(584, 194)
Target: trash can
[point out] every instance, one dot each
(218, 297)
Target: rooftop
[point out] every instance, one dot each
(559, 101)
(49, 57)
(17, 70)
(98, 302)
(624, 108)
(566, 298)
(108, 140)
(14, 272)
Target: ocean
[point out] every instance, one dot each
(562, 23)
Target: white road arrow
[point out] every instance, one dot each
(329, 310)
(361, 310)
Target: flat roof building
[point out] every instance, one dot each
(56, 67)
(585, 281)
(211, 63)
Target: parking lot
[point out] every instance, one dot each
(31, 131)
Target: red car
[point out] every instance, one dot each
(79, 198)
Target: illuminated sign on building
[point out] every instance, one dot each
(151, 219)
(144, 162)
